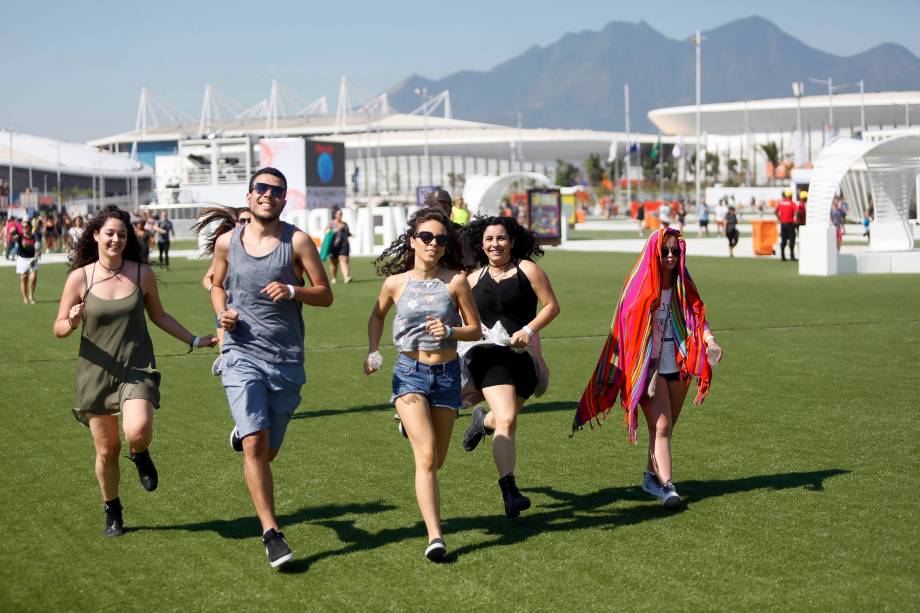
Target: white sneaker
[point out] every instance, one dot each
(669, 497)
(650, 484)
(216, 366)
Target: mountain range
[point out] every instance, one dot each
(577, 81)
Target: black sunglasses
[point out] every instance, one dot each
(277, 190)
(675, 251)
(439, 239)
(242, 221)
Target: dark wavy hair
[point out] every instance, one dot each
(400, 257)
(224, 217)
(525, 247)
(86, 250)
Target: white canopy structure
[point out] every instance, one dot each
(483, 194)
(885, 175)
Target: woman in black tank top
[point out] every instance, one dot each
(507, 290)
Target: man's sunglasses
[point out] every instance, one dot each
(439, 239)
(242, 221)
(277, 190)
(675, 251)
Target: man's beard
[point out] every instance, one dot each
(264, 217)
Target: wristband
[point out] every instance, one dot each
(448, 332)
(193, 343)
(528, 330)
(72, 327)
(290, 291)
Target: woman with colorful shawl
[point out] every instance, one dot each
(658, 341)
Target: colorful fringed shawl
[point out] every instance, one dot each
(623, 367)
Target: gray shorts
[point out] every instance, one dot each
(262, 395)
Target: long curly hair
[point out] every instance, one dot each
(86, 250)
(399, 257)
(525, 244)
(223, 219)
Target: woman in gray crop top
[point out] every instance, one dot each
(434, 309)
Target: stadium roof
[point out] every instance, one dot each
(882, 109)
(49, 155)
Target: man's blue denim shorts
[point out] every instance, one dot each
(439, 383)
(262, 395)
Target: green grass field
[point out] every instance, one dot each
(799, 473)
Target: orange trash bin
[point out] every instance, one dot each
(765, 236)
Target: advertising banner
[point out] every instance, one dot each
(288, 156)
(544, 212)
(325, 174)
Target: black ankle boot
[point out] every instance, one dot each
(114, 524)
(515, 502)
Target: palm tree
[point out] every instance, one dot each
(594, 169)
(771, 151)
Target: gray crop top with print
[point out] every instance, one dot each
(421, 298)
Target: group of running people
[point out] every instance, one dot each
(463, 333)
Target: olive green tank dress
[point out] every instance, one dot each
(116, 361)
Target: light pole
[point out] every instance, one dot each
(798, 89)
(862, 106)
(423, 92)
(628, 149)
(698, 43)
(831, 88)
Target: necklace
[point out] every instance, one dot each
(502, 271)
(115, 270)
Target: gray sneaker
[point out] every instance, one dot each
(650, 484)
(216, 366)
(669, 497)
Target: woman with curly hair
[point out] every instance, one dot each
(434, 309)
(506, 368)
(212, 223)
(108, 289)
(659, 340)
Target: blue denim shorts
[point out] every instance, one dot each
(439, 383)
(262, 395)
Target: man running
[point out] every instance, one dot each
(257, 295)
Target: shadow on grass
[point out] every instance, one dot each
(564, 512)
(247, 527)
(367, 408)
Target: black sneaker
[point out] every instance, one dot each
(236, 443)
(145, 469)
(277, 548)
(514, 500)
(436, 550)
(114, 524)
(476, 430)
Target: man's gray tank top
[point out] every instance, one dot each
(421, 298)
(270, 331)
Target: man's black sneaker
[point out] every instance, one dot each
(145, 469)
(436, 550)
(476, 430)
(277, 548)
(515, 501)
(114, 524)
(236, 443)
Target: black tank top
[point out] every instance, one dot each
(511, 301)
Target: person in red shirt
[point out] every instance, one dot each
(785, 212)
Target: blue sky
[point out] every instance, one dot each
(73, 69)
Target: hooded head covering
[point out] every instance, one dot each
(623, 368)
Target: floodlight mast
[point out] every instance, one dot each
(698, 43)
